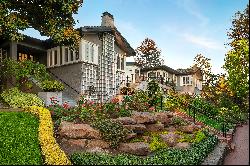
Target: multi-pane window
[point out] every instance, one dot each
(122, 63)
(22, 57)
(77, 54)
(118, 62)
(92, 53)
(87, 52)
(187, 80)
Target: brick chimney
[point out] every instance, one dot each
(107, 20)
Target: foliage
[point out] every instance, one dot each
(52, 86)
(137, 139)
(18, 99)
(25, 70)
(51, 151)
(50, 18)
(192, 156)
(237, 66)
(240, 27)
(157, 143)
(196, 137)
(138, 101)
(154, 93)
(127, 91)
(178, 121)
(19, 139)
(148, 55)
(111, 131)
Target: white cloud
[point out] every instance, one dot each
(190, 7)
(203, 41)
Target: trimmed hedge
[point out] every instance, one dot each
(192, 156)
(51, 151)
(17, 99)
(19, 144)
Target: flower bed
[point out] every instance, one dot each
(19, 142)
(50, 149)
(192, 156)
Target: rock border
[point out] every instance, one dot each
(217, 156)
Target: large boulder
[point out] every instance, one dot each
(84, 131)
(182, 145)
(137, 148)
(155, 127)
(143, 117)
(137, 128)
(77, 143)
(188, 129)
(125, 120)
(97, 143)
(163, 117)
(170, 139)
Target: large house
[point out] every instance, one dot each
(185, 80)
(98, 64)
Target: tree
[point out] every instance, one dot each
(237, 59)
(240, 27)
(53, 18)
(148, 54)
(203, 63)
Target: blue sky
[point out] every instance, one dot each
(180, 28)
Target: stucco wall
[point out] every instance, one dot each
(70, 74)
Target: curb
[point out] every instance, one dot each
(217, 156)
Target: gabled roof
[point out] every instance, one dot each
(163, 67)
(119, 39)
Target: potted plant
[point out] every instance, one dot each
(52, 90)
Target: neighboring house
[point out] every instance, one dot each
(133, 72)
(99, 62)
(185, 80)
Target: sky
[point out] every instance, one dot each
(180, 28)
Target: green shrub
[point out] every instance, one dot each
(178, 121)
(17, 99)
(19, 144)
(111, 131)
(167, 156)
(52, 86)
(157, 143)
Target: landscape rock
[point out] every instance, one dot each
(84, 131)
(137, 128)
(163, 117)
(147, 138)
(188, 129)
(97, 150)
(155, 127)
(125, 120)
(137, 148)
(130, 136)
(143, 117)
(97, 143)
(170, 139)
(77, 143)
(182, 145)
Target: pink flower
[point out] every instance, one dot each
(151, 109)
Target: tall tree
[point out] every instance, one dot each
(52, 18)
(148, 54)
(240, 27)
(237, 59)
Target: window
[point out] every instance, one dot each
(60, 55)
(163, 74)
(87, 52)
(71, 55)
(122, 63)
(50, 58)
(77, 54)
(118, 62)
(187, 80)
(66, 54)
(92, 54)
(55, 57)
(22, 57)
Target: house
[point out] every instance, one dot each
(185, 80)
(96, 69)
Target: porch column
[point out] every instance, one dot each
(13, 50)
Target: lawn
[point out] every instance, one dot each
(19, 139)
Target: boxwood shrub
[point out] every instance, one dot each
(19, 144)
(168, 156)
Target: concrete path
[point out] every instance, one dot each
(240, 155)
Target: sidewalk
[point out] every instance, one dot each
(240, 155)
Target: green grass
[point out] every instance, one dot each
(19, 144)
